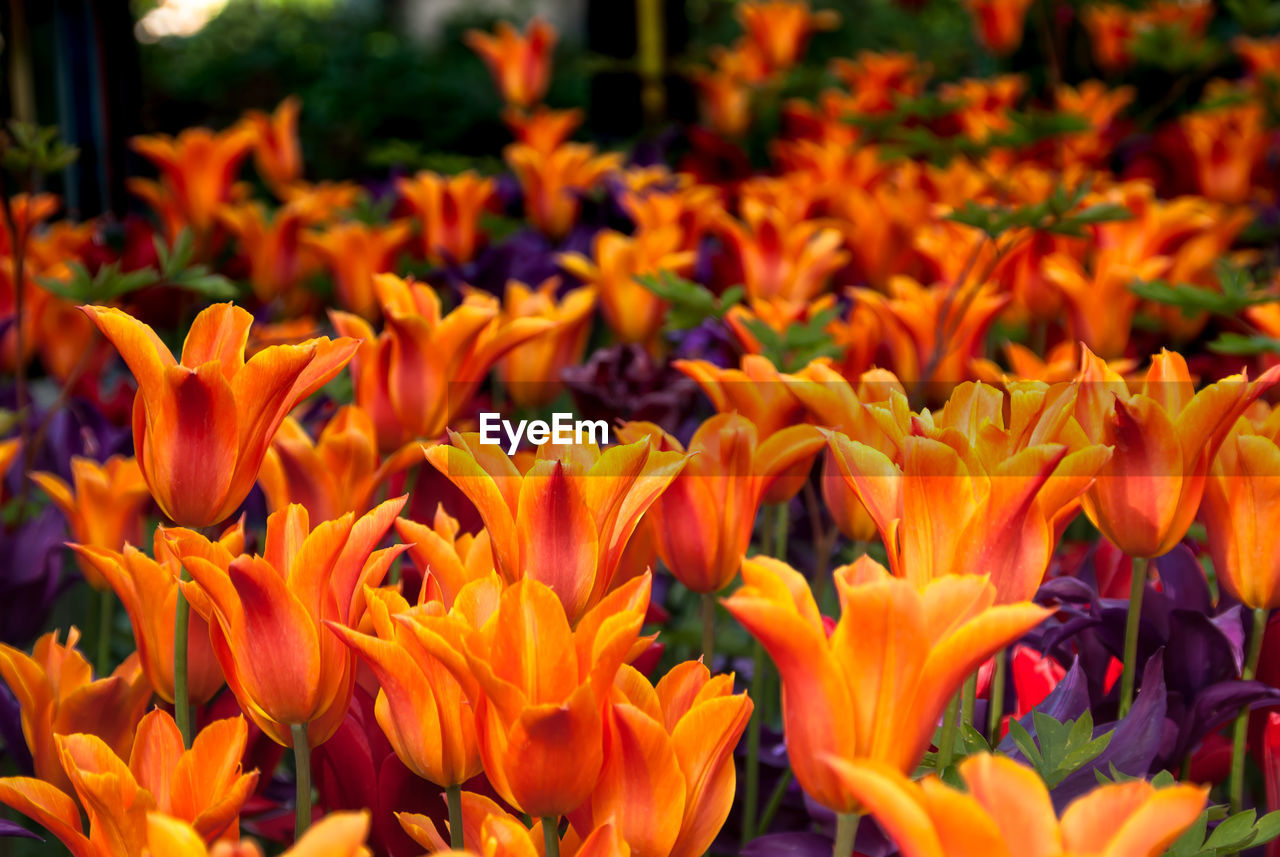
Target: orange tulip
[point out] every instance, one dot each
(448, 210)
(875, 688)
(552, 181)
(780, 29)
(57, 694)
(668, 776)
(704, 520)
(966, 492)
(876, 79)
(762, 394)
(490, 831)
(1165, 436)
(1111, 31)
(338, 473)
(933, 334)
(267, 616)
(1006, 812)
(832, 402)
(202, 787)
(202, 426)
(449, 560)
(424, 367)
(999, 22)
(148, 589)
(277, 259)
(354, 254)
(104, 510)
(421, 707)
(542, 128)
(520, 63)
(197, 171)
(538, 686)
(339, 834)
(784, 258)
(1240, 508)
(567, 521)
(633, 313)
(1226, 145)
(530, 372)
(277, 153)
(1261, 56)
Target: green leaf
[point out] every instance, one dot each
(1267, 828)
(1234, 833)
(691, 303)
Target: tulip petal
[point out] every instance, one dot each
(893, 800)
(218, 334)
(559, 542)
(50, 808)
(1015, 798)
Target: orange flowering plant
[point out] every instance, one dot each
(936, 261)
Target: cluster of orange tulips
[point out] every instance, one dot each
(339, 558)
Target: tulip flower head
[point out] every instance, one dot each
(519, 62)
(1165, 437)
(668, 775)
(780, 29)
(338, 834)
(421, 707)
(566, 521)
(1006, 812)
(1239, 509)
(449, 559)
(103, 505)
(448, 210)
(202, 426)
(197, 171)
(1010, 488)
(202, 787)
(530, 372)
(339, 472)
(355, 253)
(267, 615)
(423, 369)
(705, 519)
(539, 687)
(58, 695)
(277, 154)
(875, 687)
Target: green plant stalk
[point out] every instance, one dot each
(708, 627)
(781, 527)
(775, 801)
(454, 795)
(1241, 732)
(995, 697)
(968, 699)
(846, 834)
(1131, 624)
(181, 697)
(650, 51)
(751, 797)
(106, 617)
(302, 764)
(551, 835)
(947, 740)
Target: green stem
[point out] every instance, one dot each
(302, 763)
(751, 798)
(1131, 623)
(1241, 734)
(551, 835)
(968, 699)
(106, 617)
(846, 834)
(708, 628)
(947, 741)
(995, 697)
(781, 525)
(775, 800)
(181, 698)
(454, 795)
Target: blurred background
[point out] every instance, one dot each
(384, 83)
